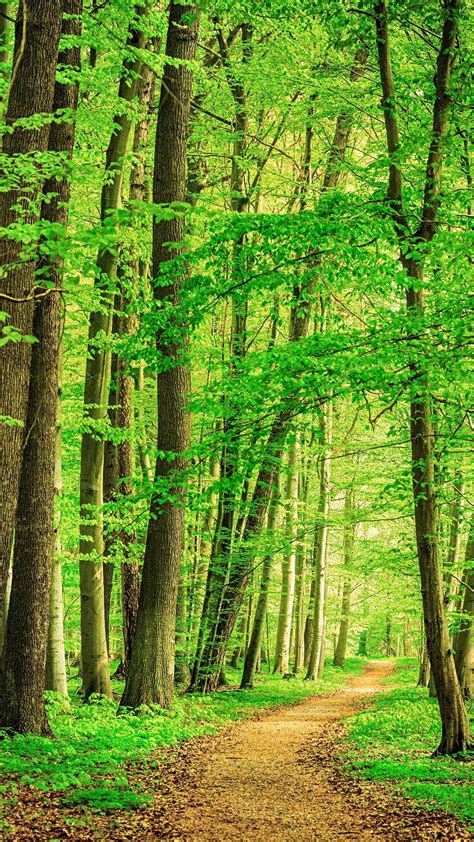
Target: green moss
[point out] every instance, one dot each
(393, 741)
(93, 747)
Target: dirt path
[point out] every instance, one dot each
(276, 777)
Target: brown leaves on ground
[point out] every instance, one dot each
(276, 777)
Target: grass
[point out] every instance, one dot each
(89, 758)
(393, 741)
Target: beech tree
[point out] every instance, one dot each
(151, 672)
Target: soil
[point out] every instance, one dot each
(275, 777)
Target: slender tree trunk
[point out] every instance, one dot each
(218, 638)
(31, 92)
(464, 654)
(455, 726)
(303, 486)
(151, 673)
(320, 544)
(349, 538)
(181, 670)
(424, 672)
(282, 651)
(56, 676)
(96, 678)
(23, 680)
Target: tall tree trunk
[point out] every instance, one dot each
(349, 538)
(303, 487)
(320, 544)
(239, 575)
(256, 638)
(463, 647)
(37, 32)
(23, 680)
(285, 617)
(56, 676)
(151, 672)
(96, 678)
(455, 726)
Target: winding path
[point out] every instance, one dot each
(275, 778)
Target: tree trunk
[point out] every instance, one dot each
(303, 488)
(151, 672)
(455, 726)
(349, 538)
(285, 617)
(23, 681)
(56, 676)
(321, 544)
(31, 92)
(424, 672)
(218, 638)
(464, 655)
(96, 678)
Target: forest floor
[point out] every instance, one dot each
(278, 776)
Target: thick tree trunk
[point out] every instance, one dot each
(31, 92)
(23, 680)
(349, 538)
(96, 678)
(151, 672)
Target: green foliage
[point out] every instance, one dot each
(393, 742)
(88, 759)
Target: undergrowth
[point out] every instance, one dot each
(89, 757)
(394, 739)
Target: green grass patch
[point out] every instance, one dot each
(393, 741)
(93, 747)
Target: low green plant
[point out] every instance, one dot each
(393, 742)
(93, 747)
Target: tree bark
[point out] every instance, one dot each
(56, 676)
(455, 726)
(23, 680)
(31, 92)
(463, 647)
(285, 616)
(256, 638)
(349, 538)
(96, 678)
(320, 544)
(151, 672)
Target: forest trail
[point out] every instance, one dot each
(274, 777)
(277, 778)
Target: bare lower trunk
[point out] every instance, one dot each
(23, 680)
(31, 92)
(56, 676)
(282, 651)
(320, 546)
(463, 646)
(349, 536)
(96, 678)
(151, 672)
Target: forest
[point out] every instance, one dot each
(236, 424)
